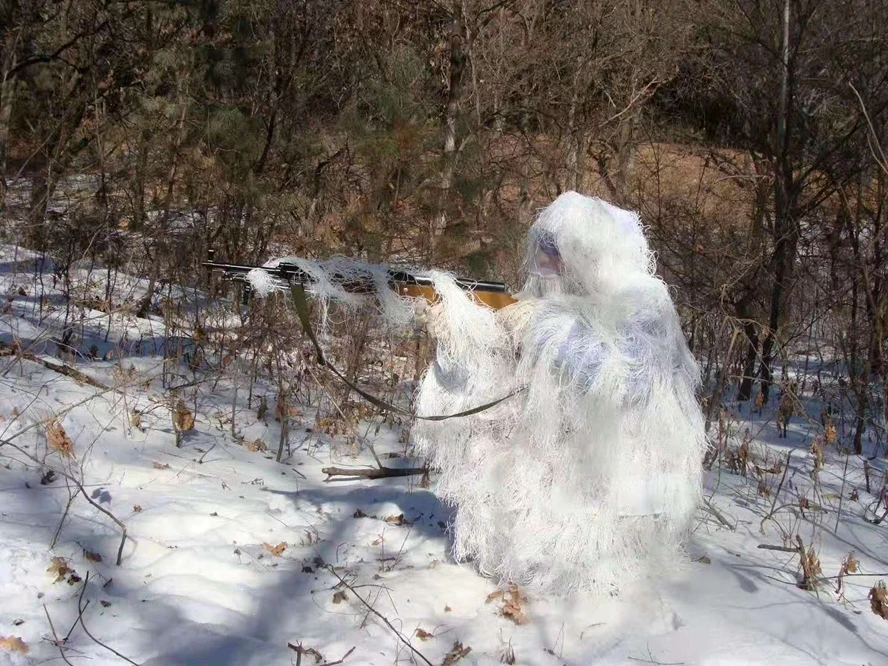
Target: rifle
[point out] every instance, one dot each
(491, 294)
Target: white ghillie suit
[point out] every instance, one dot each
(589, 478)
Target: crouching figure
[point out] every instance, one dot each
(588, 478)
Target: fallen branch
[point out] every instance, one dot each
(782, 549)
(378, 614)
(373, 472)
(718, 516)
(299, 650)
(61, 368)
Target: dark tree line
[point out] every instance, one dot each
(747, 133)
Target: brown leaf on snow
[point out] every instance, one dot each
(137, 508)
(59, 567)
(58, 439)
(13, 644)
(398, 520)
(339, 597)
(514, 612)
(91, 556)
(183, 419)
(456, 653)
(257, 444)
(158, 465)
(878, 598)
(512, 601)
(422, 634)
(276, 550)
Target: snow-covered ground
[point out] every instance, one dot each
(232, 559)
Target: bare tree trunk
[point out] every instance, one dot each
(7, 94)
(785, 226)
(451, 112)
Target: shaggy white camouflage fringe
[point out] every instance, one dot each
(589, 479)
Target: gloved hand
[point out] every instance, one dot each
(428, 315)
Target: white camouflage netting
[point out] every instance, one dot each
(588, 479)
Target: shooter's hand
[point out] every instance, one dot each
(428, 316)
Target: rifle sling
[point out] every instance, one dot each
(297, 291)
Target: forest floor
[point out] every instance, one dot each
(233, 559)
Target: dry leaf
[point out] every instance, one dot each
(158, 465)
(514, 612)
(59, 567)
(851, 564)
(183, 419)
(92, 557)
(422, 634)
(447, 608)
(276, 550)
(339, 597)
(398, 520)
(13, 644)
(512, 600)
(829, 433)
(58, 439)
(878, 597)
(137, 508)
(456, 653)
(257, 444)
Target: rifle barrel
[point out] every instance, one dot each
(291, 273)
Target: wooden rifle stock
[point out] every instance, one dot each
(491, 294)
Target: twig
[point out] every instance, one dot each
(339, 661)
(299, 650)
(842, 493)
(782, 549)
(715, 512)
(373, 472)
(58, 643)
(378, 614)
(55, 537)
(777, 493)
(82, 491)
(82, 624)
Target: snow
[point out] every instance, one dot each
(198, 585)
